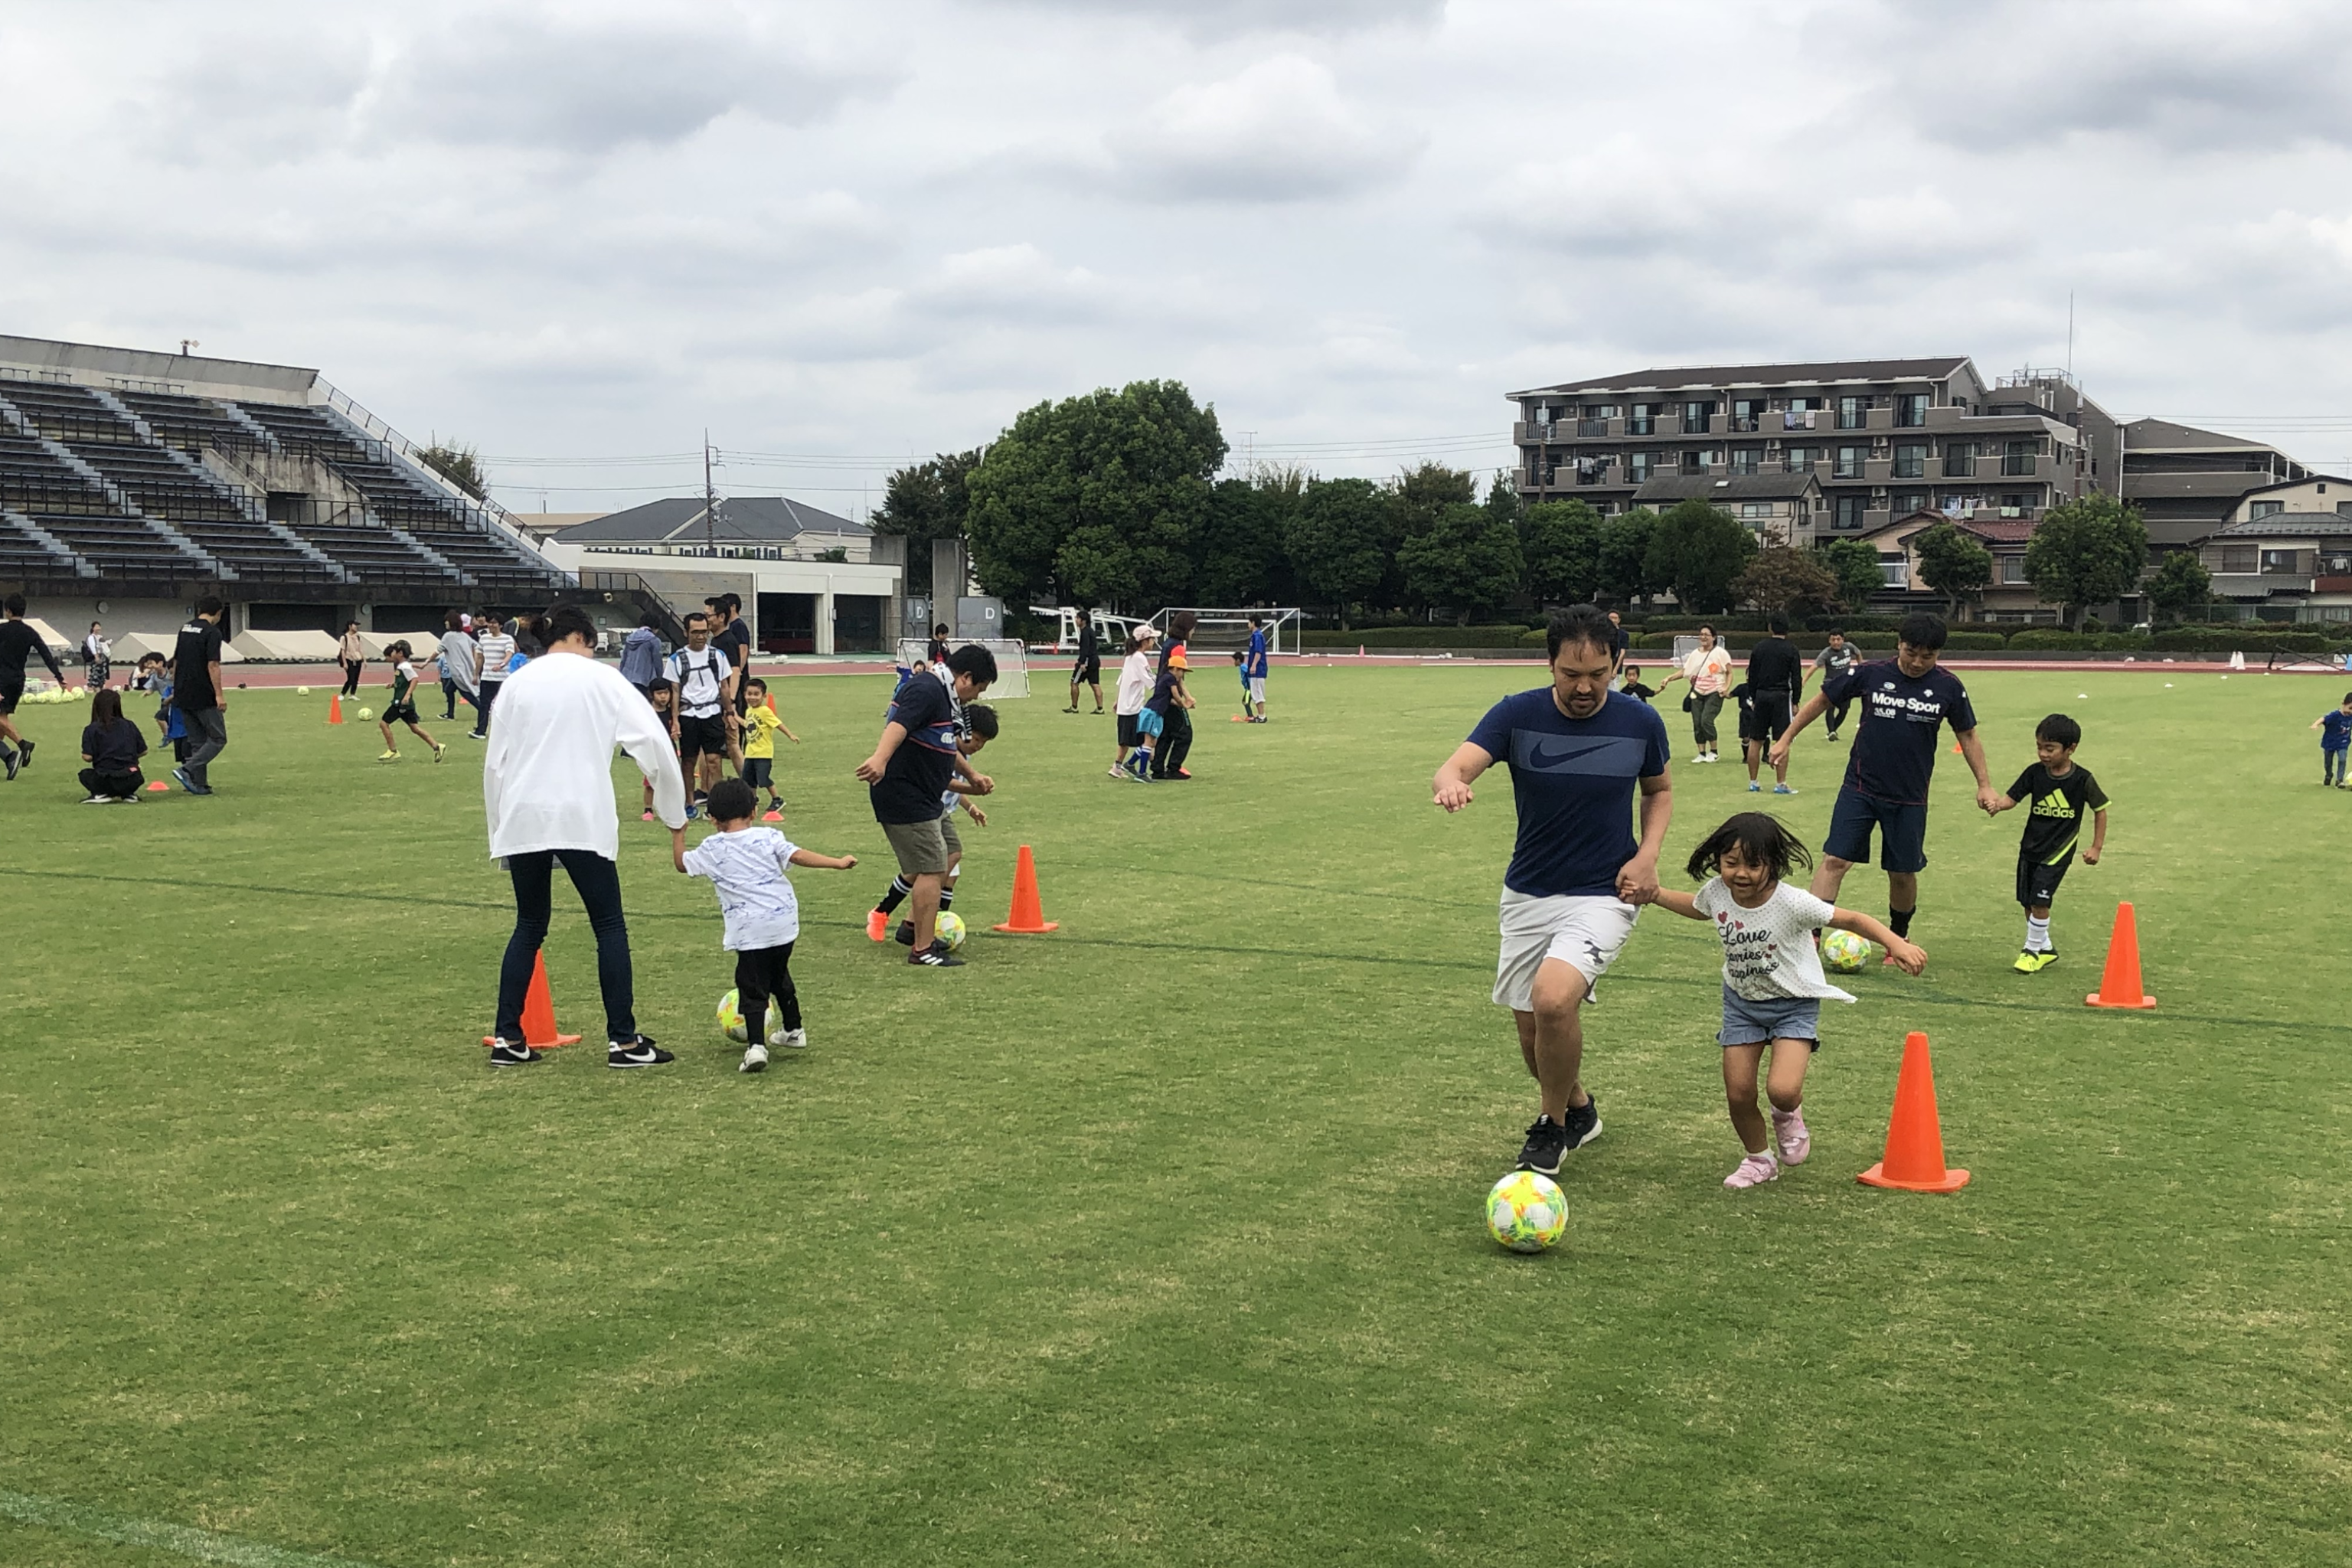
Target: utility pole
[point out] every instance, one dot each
(709, 500)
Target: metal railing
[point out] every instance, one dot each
(495, 517)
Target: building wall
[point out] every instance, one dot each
(2315, 494)
(686, 581)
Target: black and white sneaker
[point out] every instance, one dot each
(1583, 1123)
(1547, 1142)
(505, 1055)
(936, 956)
(10, 760)
(100, 800)
(23, 753)
(639, 1053)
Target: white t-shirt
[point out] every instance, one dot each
(547, 773)
(700, 678)
(1134, 683)
(1706, 669)
(757, 898)
(1768, 951)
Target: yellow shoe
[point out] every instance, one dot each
(389, 757)
(2027, 962)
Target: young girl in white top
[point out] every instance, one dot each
(1772, 980)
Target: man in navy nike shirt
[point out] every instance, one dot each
(1576, 751)
(1905, 701)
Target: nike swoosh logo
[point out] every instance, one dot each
(1538, 757)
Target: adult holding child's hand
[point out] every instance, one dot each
(547, 789)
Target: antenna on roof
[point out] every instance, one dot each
(187, 343)
(709, 500)
(2070, 335)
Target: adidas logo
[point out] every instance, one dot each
(2053, 805)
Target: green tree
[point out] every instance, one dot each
(1338, 541)
(1784, 578)
(926, 502)
(2181, 586)
(1096, 500)
(1624, 562)
(1238, 556)
(1855, 566)
(459, 464)
(1561, 542)
(1467, 558)
(1953, 564)
(2086, 552)
(1700, 551)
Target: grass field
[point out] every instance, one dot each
(1157, 1240)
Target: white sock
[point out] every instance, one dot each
(2037, 935)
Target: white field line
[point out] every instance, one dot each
(203, 1545)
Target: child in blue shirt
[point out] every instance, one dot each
(2335, 742)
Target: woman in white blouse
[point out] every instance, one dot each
(547, 787)
(1708, 667)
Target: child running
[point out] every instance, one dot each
(1772, 983)
(1133, 760)
(2334, 742)
(761, 728)
(403, 705)
(745, 862)
(663, 695)
(2058, 793)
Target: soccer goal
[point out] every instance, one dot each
(1228, 631)
(1011, 662)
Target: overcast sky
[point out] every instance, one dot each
(847, 234)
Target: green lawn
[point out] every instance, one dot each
(1157, 1240)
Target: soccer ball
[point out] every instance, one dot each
(948, 929)
(366, 713)
(301, 691)
(1843, 951)
(731, 1025)
(1525, 1212)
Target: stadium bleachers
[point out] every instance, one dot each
(377, 520)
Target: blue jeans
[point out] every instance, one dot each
(2331, 764)
(598, 881)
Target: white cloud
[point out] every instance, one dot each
(1277, 131)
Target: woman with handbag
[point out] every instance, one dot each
(1708, 667)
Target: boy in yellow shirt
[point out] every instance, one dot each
(761, 728)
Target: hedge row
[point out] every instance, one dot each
(2253, 639)
(1419, 636)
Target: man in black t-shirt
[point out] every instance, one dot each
(1087, 671)
(731, 635)
(18, 642)
(1905, 701)
(2057, 795)
(1619, 641)
(200, 695)
(1774, 675)
(905, 778)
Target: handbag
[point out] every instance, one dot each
(1686, 702)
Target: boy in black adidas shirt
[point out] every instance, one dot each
(2056, 794)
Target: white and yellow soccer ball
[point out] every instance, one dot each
(1843, 952)
(949, 929)
(366, 714)
(731, 1025)
(301, 691)
(1526, 1212)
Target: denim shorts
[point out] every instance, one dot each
(1753, 1023)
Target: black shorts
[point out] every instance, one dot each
(1127, 734)
(2037, 880)
(1087, 673)
(1752, 724)
(11, 693)
(1772, 718)
(760, 772)
(403, 713)
(1903, 832)
(703, 737)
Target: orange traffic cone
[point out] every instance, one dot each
(539, 1031)
(1028, 916)
(335, 708)
(2119, 984)
(158, 788)
(1913, 1160)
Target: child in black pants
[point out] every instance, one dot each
(745, 862)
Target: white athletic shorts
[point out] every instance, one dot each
(1586, 931)
(1257, 688)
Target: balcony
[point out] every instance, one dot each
(1746, 424)
(1588, 427)
(2018, 466)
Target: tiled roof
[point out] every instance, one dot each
(1704, 377)
(759, 519)
(2162, 435)
(2282, 524)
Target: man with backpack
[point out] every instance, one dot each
(703, 677)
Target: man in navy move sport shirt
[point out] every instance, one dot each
(1905, 701)
(1576, 752)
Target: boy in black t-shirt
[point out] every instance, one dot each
(908, 771)
(2057, 794)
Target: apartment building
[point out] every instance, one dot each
(2284, 553)
(1880, 438)
(2188, 483)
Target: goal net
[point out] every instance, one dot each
(1011, 662)
(1220, 630)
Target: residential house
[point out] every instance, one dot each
(2286, 554)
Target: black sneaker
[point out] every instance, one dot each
(905, 933)
(639, 1053)
(503, 1054)
(1583, 1123)
(1547, 1142)
(936, 956)
(23, 753)
(8, 761)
